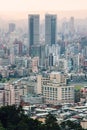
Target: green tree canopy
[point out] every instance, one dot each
(1, 127)
(51, 122)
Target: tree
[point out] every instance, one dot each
(69, 125)
(3, 80)
(51, 122)
(1, 127)
(9, 115)
(13, 118)
(22, 126)
(0, 77)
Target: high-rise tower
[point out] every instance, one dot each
(33, 24)
(50, 29)
(12, 27)
(72, 28)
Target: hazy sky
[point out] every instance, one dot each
(35, 5)
(41, 5)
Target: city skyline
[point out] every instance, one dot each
(15, 16)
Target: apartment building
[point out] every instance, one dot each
(54, 88)
(11, 94)
(54, 93)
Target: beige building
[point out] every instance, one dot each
(84, 124)
(11, 94)
(1, 97)
(55, 89)
(58, 77)
(35, 63)
(54, 93)
(39, 84)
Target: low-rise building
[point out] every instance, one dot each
(33, 99)
(84, 124)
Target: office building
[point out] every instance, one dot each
(50, 29)
(12, 27)
(72, 28)
(33, 24)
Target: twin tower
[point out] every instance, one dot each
(50, 29)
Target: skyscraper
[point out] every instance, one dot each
(50, 29)
(12, 27)
(72, 28)
(33, 24)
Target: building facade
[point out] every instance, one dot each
(12, 27)
(50, 29)
(33, 29)
(55, 89)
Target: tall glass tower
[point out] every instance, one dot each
(33, 29)
(50, 29)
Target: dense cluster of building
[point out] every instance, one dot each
(44, 60)
(50, 89)
(45, 46)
